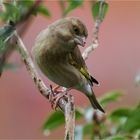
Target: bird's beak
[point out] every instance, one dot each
(80, 40)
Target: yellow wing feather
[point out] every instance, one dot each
(75, 58)
(85, 73)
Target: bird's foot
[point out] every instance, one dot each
(56, 95)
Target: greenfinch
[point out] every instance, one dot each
(56, 51)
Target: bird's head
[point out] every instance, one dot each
(71, 31)
(78, 31)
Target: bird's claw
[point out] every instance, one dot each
(55, 96)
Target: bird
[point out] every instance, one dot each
(56, 52)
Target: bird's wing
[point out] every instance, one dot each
(75, 58)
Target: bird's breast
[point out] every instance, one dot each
(58, 70)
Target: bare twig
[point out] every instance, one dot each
(95, 41)
(70, 118)
(62, 6)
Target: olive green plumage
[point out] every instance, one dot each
(58, 56)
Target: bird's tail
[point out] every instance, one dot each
(87, 89)
(95, 103)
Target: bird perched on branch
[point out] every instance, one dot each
(57, 54)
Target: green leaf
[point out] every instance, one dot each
(5, 33)
(10, 66)
(115, 138)
(12, 12)
(73, 4)
(2, 14)
(133, 121)
(57, 119)
(24, 6)
(79, 113)
(120, 113)
(25, 3)
(99, 10)
(110, 97)
(88, 129)
(43, 10)
(15, 11)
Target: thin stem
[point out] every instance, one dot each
(62, 6)
(70, 118)
(95, 42)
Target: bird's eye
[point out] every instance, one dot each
(76, 30)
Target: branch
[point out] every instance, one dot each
(66, 104)
(70, 118)
(95, 42)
